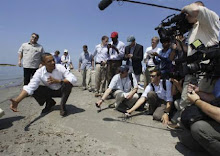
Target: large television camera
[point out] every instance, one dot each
(177, 25)
(173, 25)
(195, 63)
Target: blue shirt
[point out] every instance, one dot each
(86, 60)
(164, 61)
(216, 90)
(57, 59)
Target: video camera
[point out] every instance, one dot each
(173, 25)
(194, 63)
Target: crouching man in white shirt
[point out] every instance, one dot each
(158, 95)
(57, 83)
(125, 87)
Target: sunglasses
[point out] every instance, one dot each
(153, 76)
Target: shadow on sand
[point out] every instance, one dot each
(125, 120)
(8, 122)
(71, 109)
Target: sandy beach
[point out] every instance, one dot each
(85, 131)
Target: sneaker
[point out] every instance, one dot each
(174, 127)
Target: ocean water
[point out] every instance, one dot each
(10, 76)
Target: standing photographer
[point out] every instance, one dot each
(205, 28)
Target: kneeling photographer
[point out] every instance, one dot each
(203, 120)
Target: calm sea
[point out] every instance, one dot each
(10, 76)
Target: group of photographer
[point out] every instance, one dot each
(180, 99)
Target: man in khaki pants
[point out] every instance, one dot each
(86, 64)
(125, 86)
(101, 54)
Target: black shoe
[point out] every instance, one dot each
(48, 106)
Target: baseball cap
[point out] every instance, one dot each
(123, 68)
(65, 51)
(114, 34)
(130, 39)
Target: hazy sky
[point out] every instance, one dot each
(69, 24)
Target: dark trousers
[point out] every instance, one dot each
(44, 94)
(204, 135)
(28, 73)
(112, 69)
(156, 105)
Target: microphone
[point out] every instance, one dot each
(104, 4)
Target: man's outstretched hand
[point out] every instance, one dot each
(14, 105)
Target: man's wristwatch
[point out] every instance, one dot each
(61, 82)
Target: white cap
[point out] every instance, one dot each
(65, 50)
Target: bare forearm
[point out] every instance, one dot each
(206, 97)
(168, 107)
(107, 92)
(137, 104)
(210, 110)
(133, 91)
(92, 63)
(20, 58)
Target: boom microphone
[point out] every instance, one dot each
(104, 4)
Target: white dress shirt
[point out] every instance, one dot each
(159, 90)
(101, 53)
(41, 75)
(113, 53)
(148, 58)
(123, 84)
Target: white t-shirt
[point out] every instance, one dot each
(159, 90)
(123, 84)
(148, 58)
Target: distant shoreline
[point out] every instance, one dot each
(7, 65)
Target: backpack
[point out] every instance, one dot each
(164, 85)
